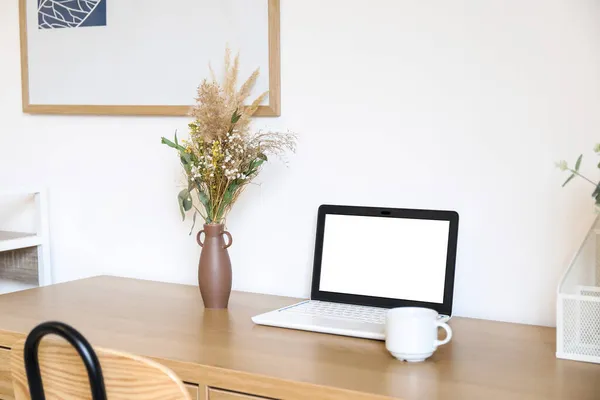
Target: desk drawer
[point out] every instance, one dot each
(6, 390)
(192, 390)
(216, 394)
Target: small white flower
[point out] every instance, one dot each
(562, 165)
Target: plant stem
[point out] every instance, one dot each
(583, 177)
(199, 212)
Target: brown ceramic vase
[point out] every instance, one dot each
(214, 270)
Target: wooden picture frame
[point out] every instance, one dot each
(272, 109)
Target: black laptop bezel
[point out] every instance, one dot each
(445, 308)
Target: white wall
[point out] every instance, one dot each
(460, 104)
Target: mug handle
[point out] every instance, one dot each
(448, 330)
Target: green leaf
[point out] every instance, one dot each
(596, 193)
(235, 117)
(568, 180)
(176, 146)
(598, 165)
(185, 202)
(181, 210)
(193, 222)
(186, 166)
(578, 163)
(166, 141)
(263, 156)
(186, 160)
(254, 164)
(228, 197)
(203, 199)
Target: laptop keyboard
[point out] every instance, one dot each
(374, 315)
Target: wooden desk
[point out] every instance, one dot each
(219, 349)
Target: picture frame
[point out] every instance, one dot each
(30, 106)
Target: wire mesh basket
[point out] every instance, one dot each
(578, 303)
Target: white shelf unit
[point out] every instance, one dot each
(18, 240)
(10, 286)
(578, 303)
(35, 245)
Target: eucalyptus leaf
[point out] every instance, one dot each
(185, 202)
(578, 163)
(596, 193)
(203, 199)
(193, 222)
(169, 143)
(186, 160)
(186, 166)
(181, 210)
(568, 180)
(166, 141)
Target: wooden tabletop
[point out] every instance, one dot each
(485, 360)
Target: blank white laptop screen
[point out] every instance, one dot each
(396, 258)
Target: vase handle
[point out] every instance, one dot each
(230, 240)
(198, 238)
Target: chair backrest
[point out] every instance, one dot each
(126, 376)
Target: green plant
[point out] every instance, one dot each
(563, 166)
(222, 154)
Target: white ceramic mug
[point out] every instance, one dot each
(411, 333)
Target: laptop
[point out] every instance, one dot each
(368, 260)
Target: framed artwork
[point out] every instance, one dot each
(142, 57)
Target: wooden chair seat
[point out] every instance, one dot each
(126, 376)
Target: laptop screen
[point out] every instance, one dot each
(395, 258)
